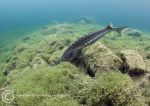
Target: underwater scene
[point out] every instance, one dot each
(74, 53)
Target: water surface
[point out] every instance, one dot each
(20, 16)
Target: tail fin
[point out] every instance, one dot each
(120, 30)
(110, 26)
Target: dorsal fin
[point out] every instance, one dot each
(110, 26)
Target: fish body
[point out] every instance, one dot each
(77, 46)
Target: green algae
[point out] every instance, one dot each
(65, 79)
(100, 59)
(114, 89)
(58, 80)
(19, 60)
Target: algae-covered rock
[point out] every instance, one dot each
(50, 45)
(99, 58)
(19, 59)
(62, 79)
(35, 71)
(144, 85)
(114, 89)
(20, 48)
(80, 93)
(133, 62)
(44, 56)
(37, 62)
(54, 58)
(9, 67)
(51, 49)
(64, 84)
(144, 81)
(57, 29)
(147, 62)
(148, 55)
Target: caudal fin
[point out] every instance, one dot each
(120, 30)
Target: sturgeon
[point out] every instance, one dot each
(72, 51)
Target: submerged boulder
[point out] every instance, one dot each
(147, 62)
(19, 59)
(148, 55)
(57, 29)
(133, 62)
(38, 61)
(114, 89)
(20, 48)
(50, 49)
(100, 59)
(9, 67)
(58, 81)
(142, 81)
(50, 45)
(54, 58)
